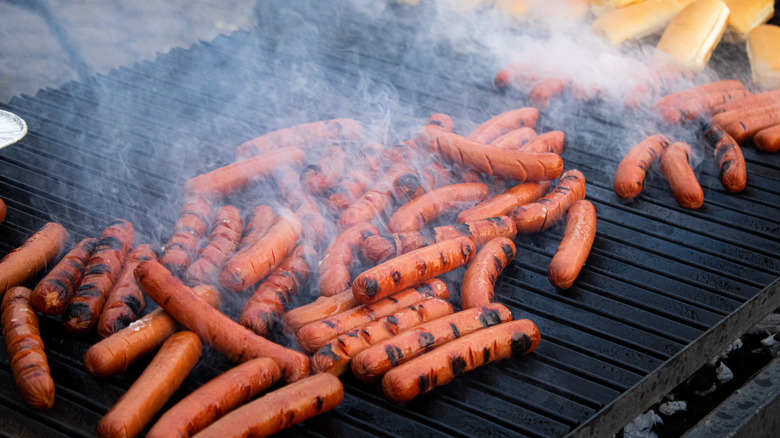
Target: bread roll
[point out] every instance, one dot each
(601, 7)
(693, 34)
(762, 49)
(745, 16)
(638, 20)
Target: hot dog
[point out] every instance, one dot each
(699, 105)
(417, 213)
(756, 100)
(542, 92)
(314, 227)
(435, 121)
(401, 153)
(411, 268)
(370, 156)
(747, 127)
(631, 171)
(375, 201)
(349, 189)
(412, 185)
(373, 362)
(25, 349)
(233, 340)
(439, 366)
(733, 173)
(100, 274)
(216, 398)
(335, 356)
(235, 177)
(768, 139)
(3, 210)
(223, 242)
(252, 264)
(321, 308)
(514, 139)
(440, 175)
(738, 115)
(384, 246)
(443, 121)
(480, 278)
(191, 226)
(52, 294)
(575, 245)
(678, 173)
(305, 135)
(680, 98)
(35, 253)
(257, 223)
(339, 258)
(149, 393)
(504, 123)
(125, 302)
(514, 75)
(114, 354)
(549, 142)
(325, 173)
(546, 212)
(517, 165)
(268, 301)
(313, 336)
(503, 204)
(280, 409)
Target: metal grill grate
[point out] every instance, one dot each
(664, 288)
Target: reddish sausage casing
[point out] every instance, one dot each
(441, 365)
(280, 409)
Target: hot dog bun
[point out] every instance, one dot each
(745, 16)
(762, 43)
(638, 20)
(694, 32)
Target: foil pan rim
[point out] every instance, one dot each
(12, 128)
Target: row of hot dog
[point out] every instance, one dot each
(273, 254)
(730, 116)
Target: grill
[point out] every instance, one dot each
(663, 290)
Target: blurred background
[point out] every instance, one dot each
(45, 43)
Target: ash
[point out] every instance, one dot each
(689, 402)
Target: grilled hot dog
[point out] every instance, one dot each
(481, 274)
(233, 340)
(53, 294)
(441, 365)
(412, 268)
(373, 362)
(280, 409)
(682, 181)
(313, 336)
(25, 349)
(216, 398)
(733, 173)
(630, 174)
(420, 211)
(149, 393)
(35, 253)
(384, 246)
(575, 246)
(335, 356)
(546, 212)
(114, 354)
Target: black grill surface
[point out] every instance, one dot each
(663, 290)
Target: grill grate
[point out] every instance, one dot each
(663, 286)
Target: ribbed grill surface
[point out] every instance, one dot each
(121, 145)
